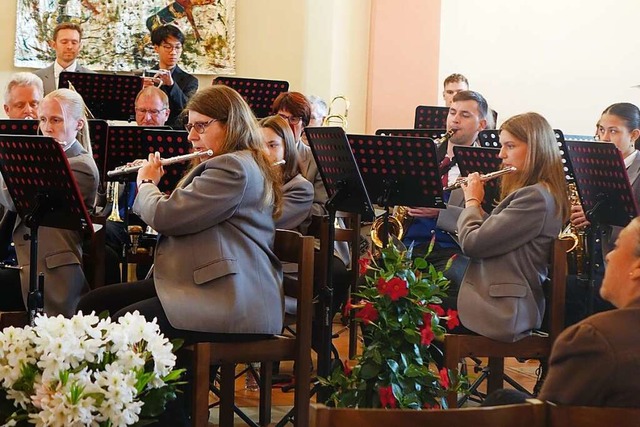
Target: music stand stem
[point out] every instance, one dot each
(33, 220)
(125, 222)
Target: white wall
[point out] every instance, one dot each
(566, 59)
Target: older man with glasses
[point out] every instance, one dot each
(179, 85)
(152, 107)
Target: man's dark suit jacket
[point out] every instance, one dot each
(184, 85)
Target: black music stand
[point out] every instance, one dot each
(99, 133)
(258, 93)
(483, 161)
(346, 192)
(19, 127)
(430, 117)
(604, 189)
(107, 96)
(43, 188)
(416, 133)
(169, 143)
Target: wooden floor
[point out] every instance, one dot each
(523, 373)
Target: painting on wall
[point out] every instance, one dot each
(116, 33)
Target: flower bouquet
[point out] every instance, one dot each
(85, 371)
(401, 311)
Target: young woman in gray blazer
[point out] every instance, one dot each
(297, 191)
(215, 271)
(62, 116)
(501, 293)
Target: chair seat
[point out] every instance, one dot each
(532, 347)
(266, 350)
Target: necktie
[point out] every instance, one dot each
(444, 167)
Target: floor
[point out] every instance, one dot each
(523, 373)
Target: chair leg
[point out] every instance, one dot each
(496, 374)
(200, 404)
(227, 392)
(451, 360)
(266, 381)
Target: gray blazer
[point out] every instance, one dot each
(501, 293)
(59, 250)
(215, 270)
(298, 198)
(595, 362)
(48, 77)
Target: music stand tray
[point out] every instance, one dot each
(416, 133)
(259, 93)
(430, 117)
(43, 188)
(483, 161)
(107, 96)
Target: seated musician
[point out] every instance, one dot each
(152, 109)
(619, 124)
(22, 96)
(62, 116)
(215, 271)
(603, 341)
(501, 292)
(297, 191)
(467, 117)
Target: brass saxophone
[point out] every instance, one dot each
(578, 251)
(400, 221)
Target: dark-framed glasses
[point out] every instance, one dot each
(293, 120)
(200, 127)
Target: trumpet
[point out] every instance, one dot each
(125, 170)
(483, 178)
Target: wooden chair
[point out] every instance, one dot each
(587, 416)
(537, 346)
(351, 234)
(289, 246)
(530, 414)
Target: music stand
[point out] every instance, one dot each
(604, 190)
(258, 93)
(346, 192)
(430, 117)
(107, 96)
(43, 188)
(19, 127)
(99, 133)
(483, 161)
(416, 133)
(169, 143)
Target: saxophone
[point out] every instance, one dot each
(400, 221)
(578, 251)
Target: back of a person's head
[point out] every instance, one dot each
(163, 32)
(224, 104)
(295, 103)
(319, 107)
(23, 79)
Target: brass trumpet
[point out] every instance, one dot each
(125, 170)
(483, 178)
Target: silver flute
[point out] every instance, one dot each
(125, 170)
(483, 178)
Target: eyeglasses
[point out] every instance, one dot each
(199, 126)
(144, 112)
(170, 47)
(293, 120)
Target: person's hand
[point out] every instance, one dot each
(149, 81)
(151, 169)
(578, 218)
(473, 188)
(165, 77)
(423, 212)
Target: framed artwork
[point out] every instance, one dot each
(116, 33)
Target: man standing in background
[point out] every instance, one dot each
(453, 84)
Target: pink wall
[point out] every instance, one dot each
(403, 61)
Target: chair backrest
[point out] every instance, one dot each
(587, 416)
(554, 313)
(530, 414)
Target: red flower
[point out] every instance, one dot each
(396, 288)
(432, 243)
(346, 368)
(444, 378)
(368, 313)
(387, 398)
(346, 310)
(428, 406)
(450, 261)
(436, 309)
(364, 265)
(426, 319)
(426, 335)
(453, 320)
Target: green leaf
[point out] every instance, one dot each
(155, 401)
(420, 263)
(393, 365)
(369, 371)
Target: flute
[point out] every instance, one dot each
(125, 170)
(483, 178)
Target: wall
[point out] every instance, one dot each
(567, 59)
(404, 58)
